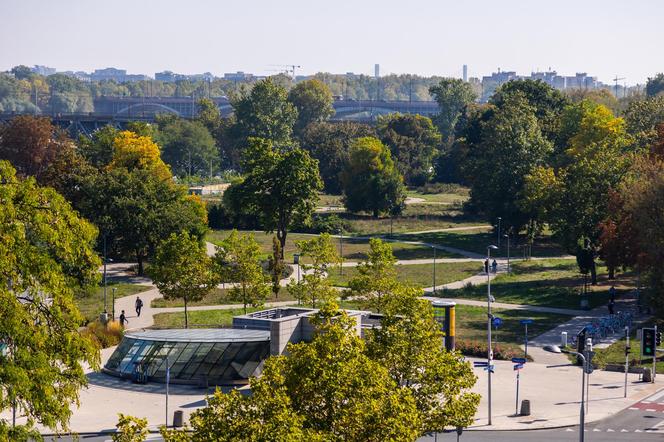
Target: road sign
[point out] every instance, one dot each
(589, 358)
(519, 360)
(480, 364)
(518, 366)
(526, 321)
(497, 322)
(489, 368)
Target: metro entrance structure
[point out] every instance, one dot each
(226, 356)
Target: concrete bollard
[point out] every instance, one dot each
(647, 375)
(525, 408)
(177, 419)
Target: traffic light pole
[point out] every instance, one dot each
(654, 357)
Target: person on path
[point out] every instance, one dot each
(123, 319)
(139, 306)
(494, 266)
(486, 266)
(612, 293)
(611, 306)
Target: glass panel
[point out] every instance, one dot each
(158, 357)
(118, 354)
(183, 359)
(195, 362)
(172, 357)
(228, 356)
(248, 352)
(211, 359)
(126, 365)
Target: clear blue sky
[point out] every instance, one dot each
(601, 37)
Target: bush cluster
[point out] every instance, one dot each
(104, 335)
(479, 349)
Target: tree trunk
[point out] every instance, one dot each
(593, 273)
(612, 272)
(186, 318)
(281, 236)
(139, 258)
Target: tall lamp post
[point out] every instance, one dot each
(582, 416)
(489, 351)
(341, 251)
(434, 269)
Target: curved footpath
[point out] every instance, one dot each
(550, 383)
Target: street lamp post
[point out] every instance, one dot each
(489, 352)
(341, 251)
(434, 269)
(582, 416)
(105, 310)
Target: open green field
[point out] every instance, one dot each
(615, 353)
(441, 198)
(477, 241)
(550, 282)
(217, 297)
(91, 303)
(420, 275)
(201, 318)
(354, 249)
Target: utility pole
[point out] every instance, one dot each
(616, 80)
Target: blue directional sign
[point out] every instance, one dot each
(518, 366)
(519, 360)
(489, 368)
(497, 322)
(526, 321)
(480, 364)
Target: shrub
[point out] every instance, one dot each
(105, 335)
(478, 349)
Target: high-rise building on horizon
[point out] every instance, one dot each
(377, 70)
(465, 73)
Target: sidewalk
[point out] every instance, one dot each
(554, 393)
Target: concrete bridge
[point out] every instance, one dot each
(118, 111)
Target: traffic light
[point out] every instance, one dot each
(648, 342)
(658, 338)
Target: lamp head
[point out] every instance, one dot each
(552, 349)
(492, 247)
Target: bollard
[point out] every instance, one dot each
(525, 408)
(177, 419)
(647, 375)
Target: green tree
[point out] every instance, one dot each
(409, 344)
(182, 270)
(276, 266)
(548, 103)
(130, 429)
(511, 145)
(280, 187)
(371, 180)
(22, 72)
(46, 252)
(642, 118)
(413, 141)
(188, 147)
(655, 85)
(376, 277)
(98, 150)
(265, 112)
(238, 260)
(452, 95)
(314, 285)
(313, 101)
(329, 143)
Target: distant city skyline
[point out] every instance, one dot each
(602, 38)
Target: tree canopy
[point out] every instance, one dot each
(452, 96)
(313, 101)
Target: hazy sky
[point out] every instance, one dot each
(601, 37)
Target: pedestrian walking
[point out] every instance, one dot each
(486, 266)
(612, 293)
(611, 306)
(123, 319)
(139, 306)
(494, 266)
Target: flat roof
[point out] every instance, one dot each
(201, 335)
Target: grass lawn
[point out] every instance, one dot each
(419, 274)
(550, 282)
(91, 303)
(478, 240)
(353, 249)
(445, 198)
(201, 318)
(217, 297)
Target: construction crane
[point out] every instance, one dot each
(288, 68)
(616, 80)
